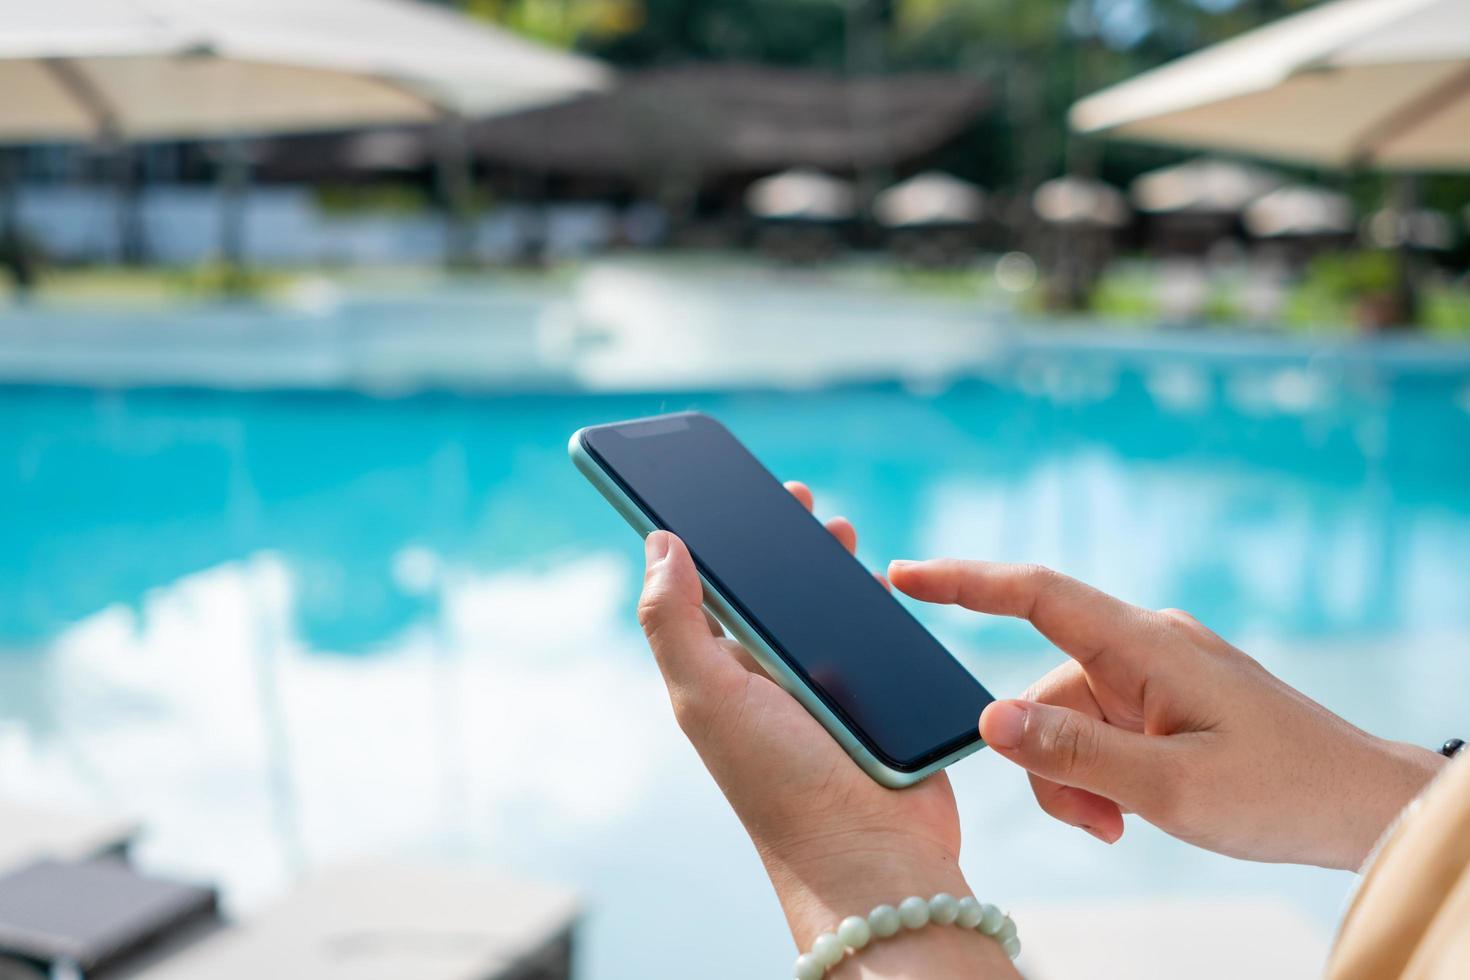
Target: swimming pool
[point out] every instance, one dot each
(288, 627)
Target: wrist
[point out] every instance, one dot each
(820, 886)
(1402, 773)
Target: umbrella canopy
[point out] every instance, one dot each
(1416, 228)
(1299, 210)
(1203, 186)
(801, 195)
(931, 198)
(174, 69)
(1079, 201)
(1380, 83)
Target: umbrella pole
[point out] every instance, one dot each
(234, 183)
(1404, 198)
(867, 112)
(456, 187)
(13, 255)
(131, 245)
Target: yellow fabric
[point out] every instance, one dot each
(1411, 917)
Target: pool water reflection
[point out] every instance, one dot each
(283, 628)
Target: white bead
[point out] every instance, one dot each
(913, 912)
(1007, 930)
(808, 967)
(854, 932)
(1012, 946)
(884, 921)
(828, 948)
(968, 914)
(990, 919)
(943, 908)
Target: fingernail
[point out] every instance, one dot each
(1096, 833)
(901, 563)
(655, 546)
(1006, 726)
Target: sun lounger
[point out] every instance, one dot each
(389, 922)
(90, 918)
(1214, 939)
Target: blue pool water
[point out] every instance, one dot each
(286, 629)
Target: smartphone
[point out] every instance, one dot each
(815, 619)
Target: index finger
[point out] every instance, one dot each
(1088, 625)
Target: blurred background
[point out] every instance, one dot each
(307, 624)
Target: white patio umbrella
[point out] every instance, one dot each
(123, 72)
(1417, 228)
(1299, 210)
(1202, 186)
(1080, 201)
(802, 195)
(1371, 83)
(188, 69)
(930, 198)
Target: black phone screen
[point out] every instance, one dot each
(874, 665)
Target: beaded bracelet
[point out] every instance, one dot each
(914, 912)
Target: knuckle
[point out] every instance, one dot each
(1041, 576)
(1204, 639)
(1041, 585)
(692, 705)
(699, 709)
(1178, 619)
(652, 610)
(686, 710)
(1071, 744)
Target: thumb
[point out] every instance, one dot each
(672, 615)
(1073, 749)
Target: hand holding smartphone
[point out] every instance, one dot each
(813, 617)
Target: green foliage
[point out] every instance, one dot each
(215, 279)
(1348, 276)
(1446, 311)
(1310, 306)
(801, 33)
(1222, 304)
(1334, 286)
(1126, 293)
(117, 286)
(1328, 296)
(348, 199)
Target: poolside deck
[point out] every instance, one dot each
(390, 921)
(614, 325)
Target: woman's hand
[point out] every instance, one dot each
(1156, 715)
(834, 842)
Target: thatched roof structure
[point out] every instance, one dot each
(699, 121)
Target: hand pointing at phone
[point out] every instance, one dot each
(1155, 714)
